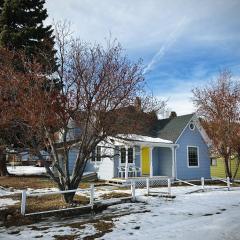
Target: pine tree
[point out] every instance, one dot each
(21, 28)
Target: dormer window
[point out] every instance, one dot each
(191, 126)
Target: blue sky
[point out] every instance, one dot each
(183, 43)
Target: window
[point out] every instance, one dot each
(130, 155)
(96, 155)
(98, 158)
(192, 126)
(123, 155)
(192, 156)
(213, 162)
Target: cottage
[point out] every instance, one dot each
(176, 147)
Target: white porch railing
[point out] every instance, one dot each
(142, 182)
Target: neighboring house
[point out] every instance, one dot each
(25, 158)
(176, 147)
(218, 168)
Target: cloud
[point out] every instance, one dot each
(166, 45)
(183, 43)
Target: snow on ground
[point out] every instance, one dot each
(210, 215)
(30, 170)
(7, 202)
(26, 170)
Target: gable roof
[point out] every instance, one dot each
(171, 128)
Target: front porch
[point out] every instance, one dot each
(145, 160)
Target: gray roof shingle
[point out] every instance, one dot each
(171, 128)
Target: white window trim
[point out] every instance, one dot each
(126, 148)
(197, 157)
(193, 126)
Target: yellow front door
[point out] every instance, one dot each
(145, 161)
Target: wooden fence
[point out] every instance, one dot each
(91, 190)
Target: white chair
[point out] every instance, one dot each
(131, 170)
(137, 170)
(121, 171)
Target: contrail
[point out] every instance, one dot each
(168, 43)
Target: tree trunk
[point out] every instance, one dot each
(68, 197)
(237, 167)
(3, 166)
(227, 168)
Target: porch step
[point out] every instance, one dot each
(116, 182)
(90, 177)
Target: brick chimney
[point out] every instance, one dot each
(173, 115)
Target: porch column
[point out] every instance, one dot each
(174, 162)
(126, 164)
(151, 162)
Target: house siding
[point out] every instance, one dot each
(192, 138)
(219, 169)
(72, 155)
(162, 161)
(156, 161)
(137, 156)
(165, 164)
(103, 168)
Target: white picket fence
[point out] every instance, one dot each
(92, 201)
(26, 194)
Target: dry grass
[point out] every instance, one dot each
(115, 195)
(26, 182)
(37, 182)
(102, 226)
(46, 203)
(66, 237)
(52, 202)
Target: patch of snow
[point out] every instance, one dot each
(7, 202)
(30, 170)
(26, 170)
(211, 215)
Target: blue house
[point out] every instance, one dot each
(176, 147)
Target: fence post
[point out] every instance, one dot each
(23, 202)
(228, 183)
(133, 190)
(169, 186)
(147, 185)
(92, 195)
(202, 183)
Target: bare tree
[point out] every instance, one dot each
(7, 104)
(218, 105)
(98, 87)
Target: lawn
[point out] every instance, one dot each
(211, 215)
(33, 182)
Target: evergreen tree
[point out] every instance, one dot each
(21, 28)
